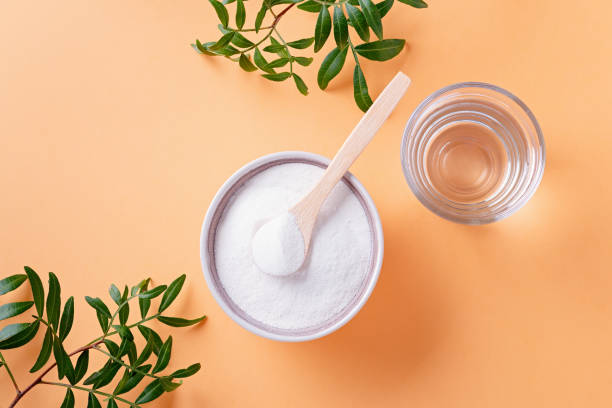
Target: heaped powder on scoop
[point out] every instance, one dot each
(334, 270)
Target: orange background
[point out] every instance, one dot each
(115, 135)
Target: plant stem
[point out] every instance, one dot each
(354, 52)
(76, 387)
(8, 370)
(101, 338)
(272, 27)
(118, 360)
(331, 3)
(125, 302)
(245, 30)
(286, 48)
(39, 379)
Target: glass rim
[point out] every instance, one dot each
(536, 177)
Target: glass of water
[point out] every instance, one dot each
(473, 153)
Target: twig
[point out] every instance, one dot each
(39, 379)
(8, 370)
(76, 387)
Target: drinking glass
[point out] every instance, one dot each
(473, 153)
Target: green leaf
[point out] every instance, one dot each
(124, 313)
(14, 309)
(92, 401)
(146, 352)
(180, 322)
(282, 51)
(383, 8)
(238, 39)
(144, 305)
(301, 44)
(246, 64)
(128, 381)
(168, 385)
(303, 61)
(99, 305)
(68, 399)
(131, 351)
(360, 90)
(358, 21)
(186, 372)
(175, 287)
(274, 48)
(45, 351)
(221, 11)
(112, 347)
(372, 16)
(261, 62)
(18, 334)
(124, 332)
(115, 294)
(37, 290)
(67, 319)
(164, 356)
(222, 42)
(103, 320)
(53, 301)
(80, 369)
(132, 380)
(11, 283)
(112, 404)
(260, 16)
(415, 3)
(331, 66)
(310, 6)
(153, 293)
(380, 50)
(322, 29)
(12, 329)
(240, 14)
(124, 379)
(94, 376)
(64, 365)
(141, 285)
(278, 63)
(340, 27)
(227, 51)
(150, 333)
(107, 374)
(203, 48)
(151, 392)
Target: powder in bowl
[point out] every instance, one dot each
(336, 266)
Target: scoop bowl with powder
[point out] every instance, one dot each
(329, 287)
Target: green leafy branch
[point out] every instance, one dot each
(124, 356)
(361, 15)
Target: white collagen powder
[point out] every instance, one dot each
(336, 265)
(278, 246)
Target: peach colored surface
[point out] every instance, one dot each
(115, 135)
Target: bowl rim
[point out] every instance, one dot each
(206, 261)
(537, 177)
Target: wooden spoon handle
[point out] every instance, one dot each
(359, 138)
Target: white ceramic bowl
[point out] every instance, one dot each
(207, 239)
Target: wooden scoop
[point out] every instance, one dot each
(306, 211)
